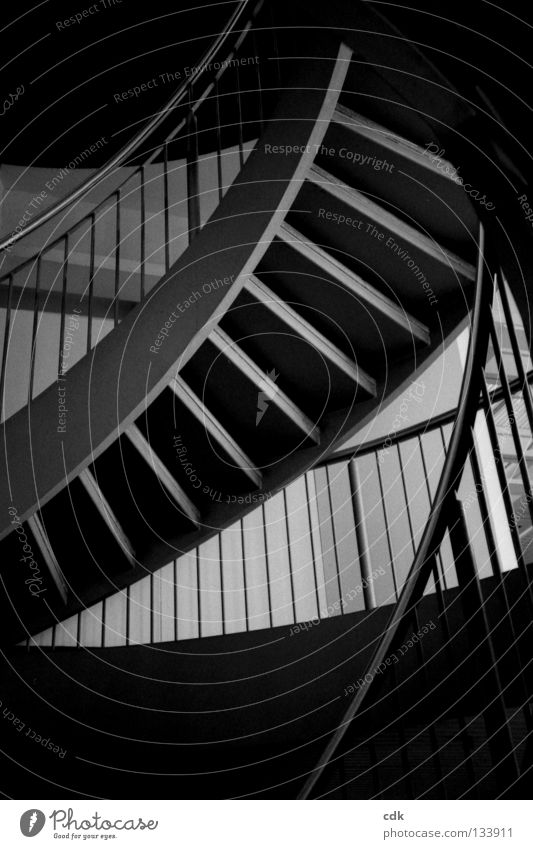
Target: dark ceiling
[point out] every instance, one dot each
(486, 44)
(74, 75)
(71, 74)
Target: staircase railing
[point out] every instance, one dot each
(503, 690)
(146, 205)
(384, 488)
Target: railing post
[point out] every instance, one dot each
(5, 347)
(362, 537)
(422, 567)
(193, 198)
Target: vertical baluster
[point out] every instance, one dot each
(34, 327)
(361, 536)
(61, 364)
(128, 614)
(143, 234)
(91, 285)
(526, 389)
(404, 755)
(193, 199)
(372, 746)
(420, 651)
(219, 139)
(435, 748)
(222, 593)
(175, 594)
(167, 209)
(275, 50)
(244, 581)
(387, 526)
(102, 629)
(152, 596)
(512, 419)
(259, 83)
(5, 350)
(240, 118)
(497, 571)
(464, 737)
(342, 603)
(406, 499)
(291, 565)
(314, 553)
(451, 662)
(506, 495)
(199, 592)
(438, 560)
(117, 260)
(267, 569)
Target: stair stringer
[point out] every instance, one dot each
(33, 469)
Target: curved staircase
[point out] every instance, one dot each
(341, 259)
(312, 293)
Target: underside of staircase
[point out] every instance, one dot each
(336, 265)
(251, 713)
(340, 258)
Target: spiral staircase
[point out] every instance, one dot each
(269, 317)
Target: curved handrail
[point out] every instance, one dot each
(243, 225)
(420, 428)
(76, 226)
(436, 524)
(119, 158)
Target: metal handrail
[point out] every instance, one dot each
(119, 158)
(420, 428)
(436, 525)
(73, 225)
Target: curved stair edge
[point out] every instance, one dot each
(99, 410)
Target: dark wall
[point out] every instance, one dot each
(264, 701)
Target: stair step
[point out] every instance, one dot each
(364, 206)
(216, 429)
(102, 505)
(407, 180)
(287, 314)
(163, 475)
(363, 291)
(396, 144)
(45, 549)
(264, 383)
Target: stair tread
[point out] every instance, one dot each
(356, 284)
(216, 429)
(43, 543)
(291, 317)
(363, 126)
(362, 204)
(264, 383)
(166, 479)
(101, 503)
